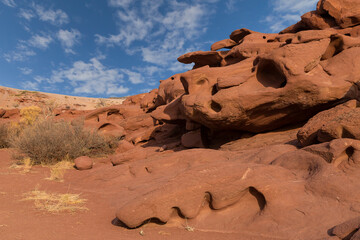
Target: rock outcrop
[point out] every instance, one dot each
(261, 139)
(262, 83)
(267, 81)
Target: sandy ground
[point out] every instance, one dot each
(15, 98)
(22, 220)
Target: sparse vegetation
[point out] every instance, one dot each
(29, 115)
(56, 203)
(48, 108)
(24, 164)
(187, 227)
(48, 142)
(4, 135)
(101, 103)
(57, 171)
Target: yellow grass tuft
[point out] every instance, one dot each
(25, 164)
(55, 203)
(58, 170)
(29, 115)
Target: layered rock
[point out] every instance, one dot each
(264, 82)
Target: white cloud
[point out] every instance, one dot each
(294, 6)
(41, 42)
(134, 77)
(91, 78)
(24, 49)
(55, 17)
(21, 53)
(27, 14)
(68, 39)
(9, 3)
(231, 5)
(134, 28)
(147, 22)
(28, 85)
(40, 79)
(25, 70)
(287, 12)
(186, 19)
(119, 3)
(160, 31)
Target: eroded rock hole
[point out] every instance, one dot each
(215, 106)
(259, 197)
(214, 90)
(349, 152)
(288, 41)
(270, 75)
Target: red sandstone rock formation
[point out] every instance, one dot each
(264, 82)
(270, 185)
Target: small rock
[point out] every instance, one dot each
(83, 163)
(192, 139)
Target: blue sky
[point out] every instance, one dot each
(114, 48)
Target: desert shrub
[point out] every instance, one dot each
(4, 135)
(29, 115)
(48, 141)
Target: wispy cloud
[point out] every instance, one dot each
(25, 70)
(134, 77)
(54, 17)
(28, 85)
(40, 41)
(9, 3)
(21, 53)
(27, 14)
(89, 77)
(294, 6)
(68, 39)
(119, 3)
(231, 5)
(158, 30)
(287, 12)
(25, 49)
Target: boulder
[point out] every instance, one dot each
(192, 139)
(83, 163)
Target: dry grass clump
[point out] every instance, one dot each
(56, 203)
(25, 165)
(29, 115)
(48, 142)
(58, 170)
